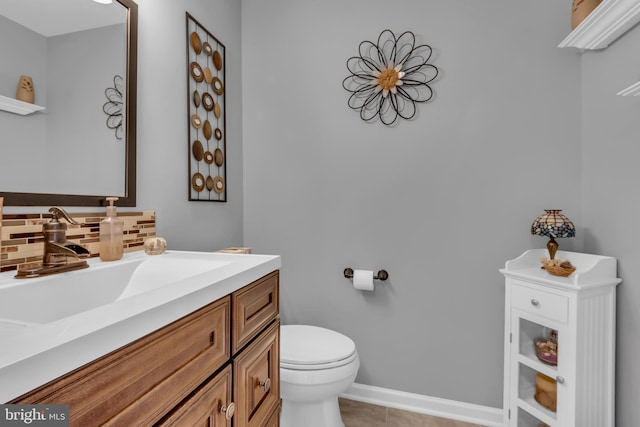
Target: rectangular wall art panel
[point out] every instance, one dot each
(207, 114)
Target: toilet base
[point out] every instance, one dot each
(325, 413)
(309, 387)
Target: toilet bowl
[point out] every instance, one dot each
(316, 365)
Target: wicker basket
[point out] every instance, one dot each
(560, 271)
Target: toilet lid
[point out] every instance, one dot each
(302, 345)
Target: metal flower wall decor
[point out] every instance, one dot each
(390, 77)
(113, 107)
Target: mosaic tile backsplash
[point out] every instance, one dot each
(21, 239)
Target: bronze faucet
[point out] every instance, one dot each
(57, 249)
(59, 253)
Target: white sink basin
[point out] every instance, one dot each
(54, 324)
(49, 298)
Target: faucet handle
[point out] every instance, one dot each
(57, 212)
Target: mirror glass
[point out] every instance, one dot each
(80, 56)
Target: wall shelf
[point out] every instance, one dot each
(18, 107)
(610, 20)
(633, 90)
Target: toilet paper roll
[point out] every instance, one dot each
(363, 280)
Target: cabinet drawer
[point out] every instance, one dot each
(274, 419)
(541, 303)
(135, 384)
(210, 406)
(254, 307)
(257, 379)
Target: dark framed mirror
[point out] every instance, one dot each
(62, 166)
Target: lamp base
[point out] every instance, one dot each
(552, 247)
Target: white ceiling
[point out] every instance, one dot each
(55, 17)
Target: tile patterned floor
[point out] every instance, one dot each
(358, 414)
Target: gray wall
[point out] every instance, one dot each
(610, 195)
(441, 202)
(163, 177)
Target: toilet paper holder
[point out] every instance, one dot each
(382, 274)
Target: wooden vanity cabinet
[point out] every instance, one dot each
(135, 384)
(185, 373)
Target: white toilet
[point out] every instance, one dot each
(316, 365)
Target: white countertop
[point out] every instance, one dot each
(32, 355)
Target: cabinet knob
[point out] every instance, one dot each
(559, 379)
(535, 302)
(266, 384)
(228, 410)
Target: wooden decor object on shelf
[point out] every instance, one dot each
(24, 92)
(206, 109)
(236, 250)
(581, 9)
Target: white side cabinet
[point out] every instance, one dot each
(580, 312)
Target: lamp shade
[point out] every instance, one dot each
(552, 223)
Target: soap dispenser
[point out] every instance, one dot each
(111, 245)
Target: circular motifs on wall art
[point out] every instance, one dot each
(389, 78)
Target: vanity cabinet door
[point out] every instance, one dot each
(257, 379)
(210, 406)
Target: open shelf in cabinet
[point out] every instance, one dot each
(526, 396)
(550, 371)
(529, 332)
(525, 419)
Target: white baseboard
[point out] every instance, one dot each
(483, 415)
